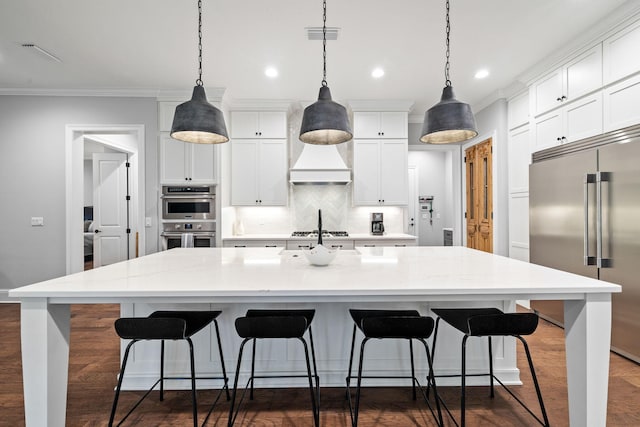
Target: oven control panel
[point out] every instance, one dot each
(189, 226)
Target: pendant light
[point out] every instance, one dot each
(449, 120)
(325, 122)
(196, 120)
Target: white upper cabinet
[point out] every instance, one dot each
(259, 124)
(259, 159)
(183, 162)
(575, 121)
(518, 114)
(380, 172)
(373, 124)
(620, 54)
(622, 104)
(577, 77)
(259, 172)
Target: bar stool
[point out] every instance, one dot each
(490, 322)
(392, 324)
(270, 324)
(168, 325)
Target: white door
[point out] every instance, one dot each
(110, 241)
(412, 213)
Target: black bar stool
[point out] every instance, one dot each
(168, 325)
(490, 322)
(269, 324)
(392, 324)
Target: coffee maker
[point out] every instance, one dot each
(377, 227)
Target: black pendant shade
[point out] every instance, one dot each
(199, 122)
(448, 121)
(325, 122)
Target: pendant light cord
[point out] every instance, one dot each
(324, 43)
(199, 80)
(446, 66)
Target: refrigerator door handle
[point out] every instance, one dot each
(600, 178)
(589, 178)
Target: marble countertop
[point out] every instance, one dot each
(354, 236)
(373, 274)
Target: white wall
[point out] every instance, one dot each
(32, 167)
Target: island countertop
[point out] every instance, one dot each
(256, 273)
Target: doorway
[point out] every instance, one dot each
(479, 196)
(127, 139)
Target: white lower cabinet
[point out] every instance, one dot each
(380, 172)
(259, 172)
(254, 243)
(374, 243)
(575, 121)
(183, 162)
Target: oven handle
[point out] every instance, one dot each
(196, 234)
(188, 196)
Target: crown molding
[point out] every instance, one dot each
(259, 104)
(403, 105)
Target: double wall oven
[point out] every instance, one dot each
(188, 216)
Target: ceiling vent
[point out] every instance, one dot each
(41, 51)
(315, 33)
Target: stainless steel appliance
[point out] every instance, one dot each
(189, 202)
(585, 219)
(202, 234)
(377, 225)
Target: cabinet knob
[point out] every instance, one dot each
(558, 99)
(558, 139)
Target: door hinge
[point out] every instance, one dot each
(127, 164)
(128, 198)
(465, 215)
(491, 215)
(464, 159)
(128, 231)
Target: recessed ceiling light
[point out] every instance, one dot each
(271, 72)
(377, 73)
(481, 74)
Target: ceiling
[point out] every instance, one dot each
(140, 46)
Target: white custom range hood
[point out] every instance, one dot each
(320, 164)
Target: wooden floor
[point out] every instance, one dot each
(94, 364)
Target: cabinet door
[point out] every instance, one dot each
(393, 125)
(519, 160)
(244, 124)
(518, 111)
(202, 162)
(622, 104)
(272, 124)
(244, 170)
(366, 124)
(366, 176)
(272, 178)
(546, 91)
(583, 118)
(173, 161)
(394, 172)
(546, 130)
(583, 74)
(619, 60)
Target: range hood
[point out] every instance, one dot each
(320, 164)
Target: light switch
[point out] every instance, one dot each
(37, 221)
(147, 221)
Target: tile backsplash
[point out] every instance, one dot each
(302, 213)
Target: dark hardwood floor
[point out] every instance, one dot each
(94, 364)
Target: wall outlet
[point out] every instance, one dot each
(37, 221)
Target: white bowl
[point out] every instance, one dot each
(320, 255)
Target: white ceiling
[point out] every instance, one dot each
(151, 45)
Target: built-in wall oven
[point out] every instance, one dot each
(190, 234)
(188, 216)
(189, 203)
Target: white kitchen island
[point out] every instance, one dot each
(377, 277)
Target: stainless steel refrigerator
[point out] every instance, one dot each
(584, 217)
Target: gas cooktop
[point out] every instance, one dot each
(314, 233)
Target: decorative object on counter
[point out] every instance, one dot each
(238, 228)
(325, 122)
(198, 121)
(449, 120)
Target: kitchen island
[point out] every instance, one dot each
(382, 277)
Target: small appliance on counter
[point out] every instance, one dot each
(377, 226)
